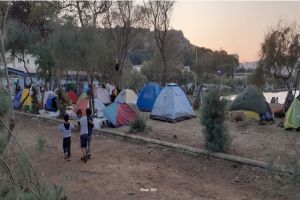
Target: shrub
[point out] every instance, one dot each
(41, 143)
(138, 125)
(4, 102)
(213, 118)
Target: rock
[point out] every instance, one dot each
(131, 193)
(175, 136)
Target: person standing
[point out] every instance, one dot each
(90, 130)
(83, 123)
(66, 130)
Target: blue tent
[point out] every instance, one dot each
(51, 103)
(172, 105)
(147, 97)
(17, 100)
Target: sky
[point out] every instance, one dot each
(236, 26)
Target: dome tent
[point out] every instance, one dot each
(120, 114)
(83, 104)
(72, 96)
(126, 96)
(252, 99)
(102, 95)
(172, 105)
(147, 96)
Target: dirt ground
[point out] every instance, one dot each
(122, 169)
(249, 139)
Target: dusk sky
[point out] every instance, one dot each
(237, 27)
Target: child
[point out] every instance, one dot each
(66, 128)
(83, 123)
(90, 130)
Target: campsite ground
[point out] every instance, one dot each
(249, 139)
(124, 169)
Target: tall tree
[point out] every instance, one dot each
(4, 9)
(159, 16)
(20, 40)
(280, 51)
(87, 13)
(123, 22)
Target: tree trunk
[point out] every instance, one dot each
(164, 73)
(24, 62)
(6, 73)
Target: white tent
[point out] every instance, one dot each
(126, 96)
(102, 95)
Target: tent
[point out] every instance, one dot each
(252, 99)
(51, 103)
(172, 105)
(84, 104)
(48, 94)
(292, 116)
(26, 97)
(147, 96)
(126, 96)
(82, 96)
(72, 95)
(17, 100)
(120, 114)
(101, 94)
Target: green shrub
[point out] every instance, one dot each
(3, 141)
(138, 125)
(41, 143)
(213, 118)
(4, 102)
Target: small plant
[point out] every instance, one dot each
(3, 141)
(213, 118)
(41, 143)
(138, 125)
(4, 102)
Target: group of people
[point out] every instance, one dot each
(274, 100)
(86, 125)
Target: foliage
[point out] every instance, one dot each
(44, 61)
(4, 102)
(258, 78)
(213, 120)
(3, 140)
(138, 125)
(280, 50)
(41, 143)
(159, 13)
(136, 80)
(208, 61)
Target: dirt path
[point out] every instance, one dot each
(126, 169)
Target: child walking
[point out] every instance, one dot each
(83, 123)
(90, 130)
(66, 130)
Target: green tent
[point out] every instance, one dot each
(292, 116)
(252, 99)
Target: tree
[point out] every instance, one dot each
(20, 40)
(280, 51)
(87, 13)
(123, 22)
(258, 77)
(159, 16)
(4, 8)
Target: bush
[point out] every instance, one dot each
(41, 143)
(213, 118)
(4, 102)
(138, 125)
